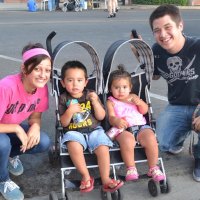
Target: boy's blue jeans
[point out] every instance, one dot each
(173, 126)
(10, 147)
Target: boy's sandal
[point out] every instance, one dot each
(113, 185)
(85, 185)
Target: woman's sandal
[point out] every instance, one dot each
(85, 185)
(113, 185)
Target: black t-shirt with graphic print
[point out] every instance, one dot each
(89, 123)
(181, 71)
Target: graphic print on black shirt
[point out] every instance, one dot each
(174, 65)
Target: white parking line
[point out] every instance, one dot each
(10, 58)
(157, 96)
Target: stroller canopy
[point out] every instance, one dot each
(145, 57)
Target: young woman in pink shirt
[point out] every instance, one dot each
(23, 96)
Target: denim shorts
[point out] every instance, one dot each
(89, 141)
(136, 129)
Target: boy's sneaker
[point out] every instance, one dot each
(15, 166)
(176, 151)
(156, 174)
(11, 191)
(196, 171)
(131, 174)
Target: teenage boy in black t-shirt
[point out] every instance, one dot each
(177, 60)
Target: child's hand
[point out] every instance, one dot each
(135, 99)
(74, 107)
(93, 96)
(121, 124)
(196, 124)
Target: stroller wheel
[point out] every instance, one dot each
(53, 196)
(104, 195)
(154, 188)
(165, 187)
(68, 195)
(117, 195)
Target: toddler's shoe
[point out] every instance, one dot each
(131, 174)
(15, 166)
(156, 174)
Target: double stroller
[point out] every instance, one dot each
(98, 81)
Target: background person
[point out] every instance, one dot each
(111, 8)
(57, 5)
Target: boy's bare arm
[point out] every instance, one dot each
(99, 111)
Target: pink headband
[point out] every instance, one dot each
(34, 52)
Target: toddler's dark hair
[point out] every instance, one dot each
(73, 64)
(119, 73)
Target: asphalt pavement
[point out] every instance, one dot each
(18, 27)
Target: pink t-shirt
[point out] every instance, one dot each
(128, 111)
(16, 105)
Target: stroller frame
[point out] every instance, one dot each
(96, 82)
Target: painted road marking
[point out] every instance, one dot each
(10, 58)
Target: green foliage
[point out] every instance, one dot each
(159, 2)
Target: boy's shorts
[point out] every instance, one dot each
(90, 140)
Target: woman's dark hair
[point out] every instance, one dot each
(119, 73)
(73, 64)
(31, 63)
(165, 9)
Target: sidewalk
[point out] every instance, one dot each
(23, 6)
(13, 6)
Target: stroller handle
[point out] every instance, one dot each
(48, 42)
